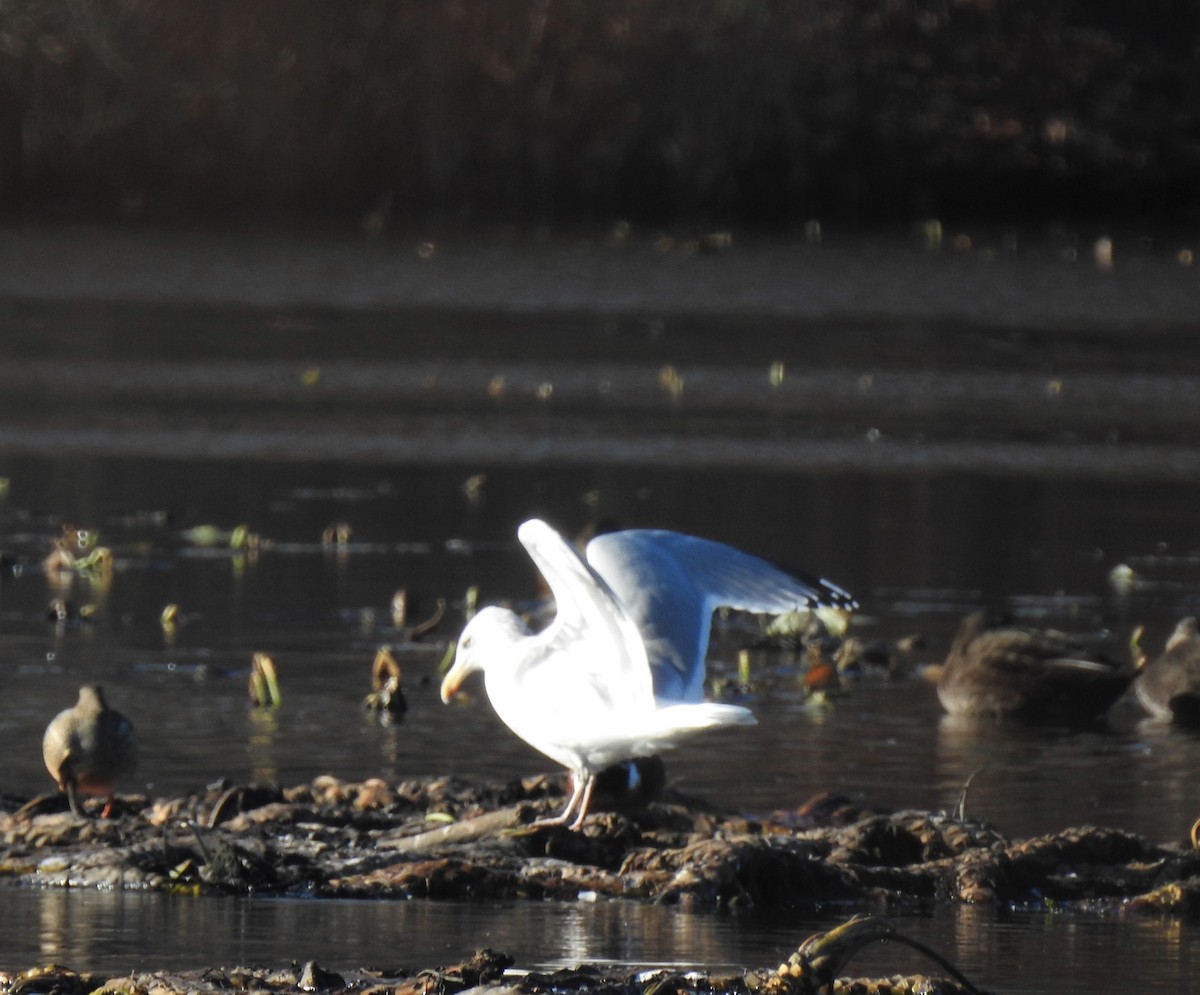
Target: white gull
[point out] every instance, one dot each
(582, 691)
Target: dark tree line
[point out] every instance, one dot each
(569, 110)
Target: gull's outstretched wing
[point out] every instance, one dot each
(670, 585)
(591, 633)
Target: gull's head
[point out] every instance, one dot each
(488, 633)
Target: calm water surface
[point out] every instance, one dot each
(322, 614)
(1016, 953)
(928, 463)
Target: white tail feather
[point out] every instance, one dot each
(704, 715)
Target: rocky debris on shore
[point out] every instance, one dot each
(815, 966)
(446, 838)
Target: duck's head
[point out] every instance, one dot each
(1186, 634)
(489, 631)
(91, 698)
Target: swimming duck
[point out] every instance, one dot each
(1010, 672)
(88, 747)
(1169, 686)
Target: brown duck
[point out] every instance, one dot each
(1169, 686)
(1031, 674)
(88, 747)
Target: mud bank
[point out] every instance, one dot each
(487, 973)
(444, 838)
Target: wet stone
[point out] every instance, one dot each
(314, 978)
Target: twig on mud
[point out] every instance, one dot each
(820, 958)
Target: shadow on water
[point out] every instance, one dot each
(929, 463)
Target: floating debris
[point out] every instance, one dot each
(206, 535)
(59, 560)
(387, 696)
(619, 233)
(242, 538)
(264, 682)
(98, 563)
(431, 623)
(76, 539)
(931, 234)
(716, 241)
(816, 965)
(337, 534)
(821, 679)
(447, 660)
(671, 380)
(169, 621)
(1123, 579)
(473, 488)
(858, 657)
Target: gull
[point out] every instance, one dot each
(619, 673)
(88, 747)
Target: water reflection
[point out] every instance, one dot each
(1034, 780)
(119, 932)
(391, 746)
(264, 731)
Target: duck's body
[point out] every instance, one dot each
(582, 690)
(88, 747)
(1017, 673)
(1169, 686)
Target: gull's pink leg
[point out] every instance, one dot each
(585, 802)
(576, 794)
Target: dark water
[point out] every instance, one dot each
(927, 453)
(322, 614)
(1012, 953)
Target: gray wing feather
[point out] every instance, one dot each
(671, 584)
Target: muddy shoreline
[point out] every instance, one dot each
(487, 971)
(446, 838)
(449, 839)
